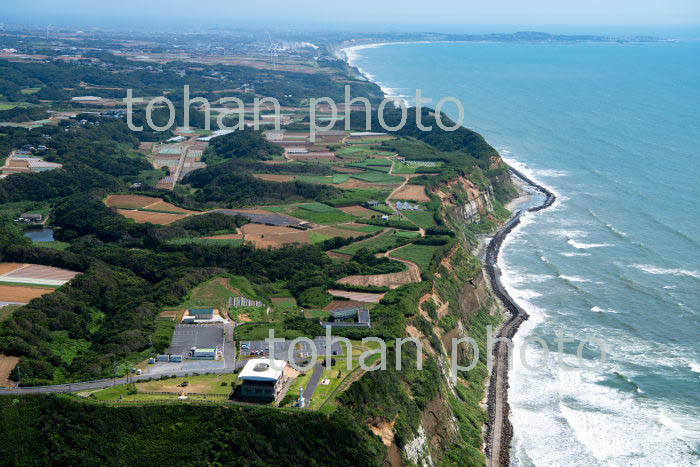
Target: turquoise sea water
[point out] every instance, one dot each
(614, 130)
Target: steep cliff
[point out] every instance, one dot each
(427, 418)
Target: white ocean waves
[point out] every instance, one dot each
(585, 246)
(650, 269)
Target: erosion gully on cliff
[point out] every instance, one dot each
(500, 431)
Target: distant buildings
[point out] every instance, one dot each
(260, 381)
(372, 203)
(202, 313)
(22, 161)
(406, 206)
(31, 218)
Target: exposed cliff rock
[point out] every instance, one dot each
(465, 201)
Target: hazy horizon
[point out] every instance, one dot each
(593, 17)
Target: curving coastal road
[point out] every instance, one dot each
(500, 431)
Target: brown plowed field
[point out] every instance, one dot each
(152, 217)
(226, 237)
(165, 206)
(260, 229)
(9, 267)
(7, 364)
(129, 201)
(21, 293)
(412, 192)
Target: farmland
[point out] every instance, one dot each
(424, 219)
(147, 209)
(160, 218)
(379, 243)
(411, 193)
(377, 177)
(422, 255)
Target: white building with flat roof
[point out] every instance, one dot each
(262, 380)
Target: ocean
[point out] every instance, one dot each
(614, 130)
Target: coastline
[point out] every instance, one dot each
(499, 431)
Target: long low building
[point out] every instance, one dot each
(261, 381)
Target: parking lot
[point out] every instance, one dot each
(303, 349)
(203, 336)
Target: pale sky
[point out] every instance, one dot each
(334, 14)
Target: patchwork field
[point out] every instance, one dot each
(260, 229)
(411, 193)
(152, 217)
(34, 274)
(377, 177)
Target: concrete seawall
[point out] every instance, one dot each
(500, 430)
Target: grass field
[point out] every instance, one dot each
(214, 293)
(326, 215)
(54, 245)
(201, 384)
(407, 234)
(361, 228)
(376, 177)
(401, 168)
(205, 241)
(422, 255)
(423, 219)
(379, 243)
(30, 90)
(6, 311)
(317, 207)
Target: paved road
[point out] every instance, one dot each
(227, 365)
(313, 382)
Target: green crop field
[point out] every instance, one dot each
(329, 216)
(376, 177)
(407, 234)
(214, 293)
(423, 219)
(422, 255)
(380, 243)
(400, 168)
(318, 207)
(365, 229)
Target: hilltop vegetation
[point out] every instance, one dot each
(64, 432)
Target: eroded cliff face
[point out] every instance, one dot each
(459, 305)
(465, 201)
